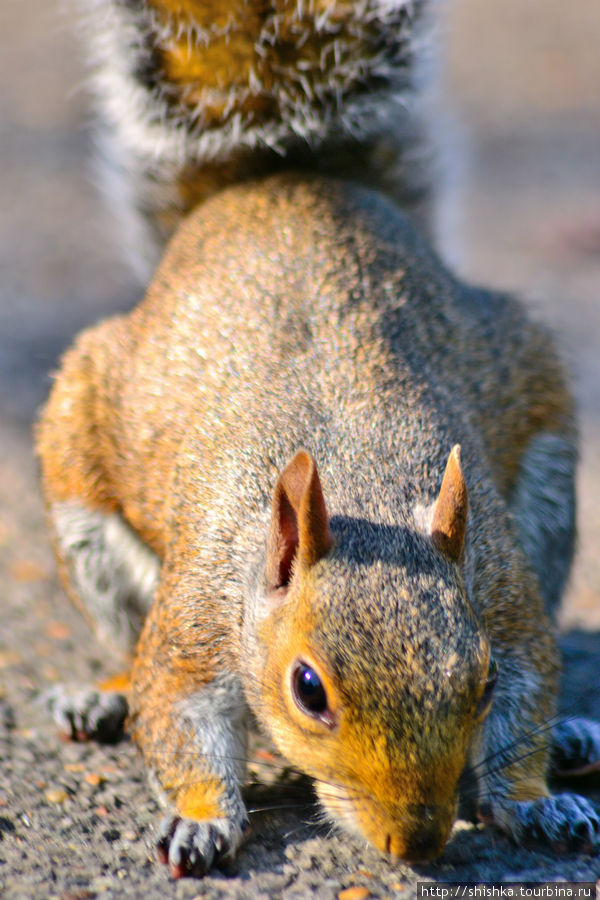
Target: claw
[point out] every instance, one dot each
(576, 747)
(192, 848)
(88, 714)
(566, 822)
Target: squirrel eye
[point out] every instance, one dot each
(490, 684)
(308, 691)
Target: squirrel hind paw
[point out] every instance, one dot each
(575, 748)
(192, 848)
(89, 714)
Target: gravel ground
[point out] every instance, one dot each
(520, 208)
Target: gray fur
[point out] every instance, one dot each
(567, 819)
(112, 572)
(503, 739)
(149, 136)
(87, 713)
(567, 822)
(543, 504)
(196, 846)
(216, 718)
(575, 745)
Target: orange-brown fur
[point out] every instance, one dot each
(284, 308)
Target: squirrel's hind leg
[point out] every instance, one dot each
(112, 576)
(88, 713)
(111, 572)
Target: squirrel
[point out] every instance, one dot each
(313, 481)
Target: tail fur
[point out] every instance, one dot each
(198, 94)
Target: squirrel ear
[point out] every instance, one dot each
(299, 521)
(449, 520)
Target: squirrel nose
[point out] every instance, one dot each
(426, 842)
(420, 848)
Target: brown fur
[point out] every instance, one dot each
(298, 312)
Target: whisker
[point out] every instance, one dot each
(543, 728)
(315, 822)
(506, 749)
(275, 807)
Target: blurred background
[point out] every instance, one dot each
(517, 121)
(519, 206)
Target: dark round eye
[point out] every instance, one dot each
(308, 691)
(490, 684)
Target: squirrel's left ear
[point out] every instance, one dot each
(299, 521)
(449, 520)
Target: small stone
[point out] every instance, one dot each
(354, 893)
(93, 779)
(111, 834)
(56, 795)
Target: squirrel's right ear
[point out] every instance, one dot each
(299, 520)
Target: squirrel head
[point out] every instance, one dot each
(375, 671)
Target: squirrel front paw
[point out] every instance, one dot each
(565, 822)
(89, 714)
(192, 848)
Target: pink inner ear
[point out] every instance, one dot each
(315, 540)
(287, 541)
(299, 522)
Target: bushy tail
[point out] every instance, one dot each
(196, 94)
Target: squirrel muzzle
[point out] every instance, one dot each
(404, 827)
(418, 834)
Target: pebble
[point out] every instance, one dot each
(354, 893)
(55, 795)
(93, 779)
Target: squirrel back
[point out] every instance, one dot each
(196, 96)
(354, 305)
